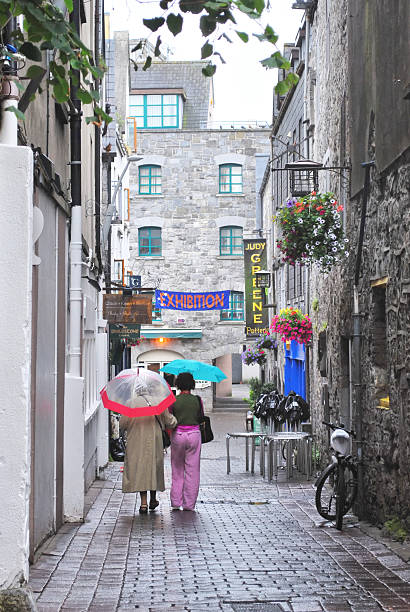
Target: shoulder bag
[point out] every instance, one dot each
(205, 425)
(166, 440)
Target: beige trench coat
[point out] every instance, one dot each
(144, 455)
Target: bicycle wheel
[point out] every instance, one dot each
(326, 493)
(340, 496)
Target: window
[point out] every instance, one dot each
(235, 312)
(149, 241)
(230, 240)
(149, 180)
(155, 110)
(118, 271)
(156, 312)
(230, 178)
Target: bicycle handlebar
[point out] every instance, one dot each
(332, 426)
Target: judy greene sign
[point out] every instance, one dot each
(256, 317)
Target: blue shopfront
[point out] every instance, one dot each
(295, 379)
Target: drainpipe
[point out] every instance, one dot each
(306, 154)
(75, 292)
(9, 93)
(97, 132)
(356, 346)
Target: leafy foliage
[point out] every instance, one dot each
(214, 14)
(312, 231)
(45, 27)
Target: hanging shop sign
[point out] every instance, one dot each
(175, 300)
(130, 332)
(118, 308)
(255, 260)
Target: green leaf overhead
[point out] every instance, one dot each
(207, 24)
(174, 23)
(153, 24)
(31, 52)
(69, 5)
(206, 50)
(209, 70)
(243, 36)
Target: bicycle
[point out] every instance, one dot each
(336, 487)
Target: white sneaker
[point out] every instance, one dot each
(175, 507)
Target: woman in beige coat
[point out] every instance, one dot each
(144, 456)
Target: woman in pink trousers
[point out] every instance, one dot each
(186, 445)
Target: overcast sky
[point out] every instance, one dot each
(243, 88)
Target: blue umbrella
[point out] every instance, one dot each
(198, 369)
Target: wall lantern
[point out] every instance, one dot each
(262, 279)
(303, 176)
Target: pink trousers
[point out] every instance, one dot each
(185, 463)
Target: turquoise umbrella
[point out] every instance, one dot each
(198, 369)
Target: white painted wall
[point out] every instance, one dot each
(73, 448)
(16, 214)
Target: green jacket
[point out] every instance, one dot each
(187, 409)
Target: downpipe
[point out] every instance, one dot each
(356, 348)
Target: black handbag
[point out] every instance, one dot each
(206, 430)
(166, 440)
(205, 425)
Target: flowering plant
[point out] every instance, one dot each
(135, 342)
(253, 354)
(266, 341)
(292, 325)
(312, 231)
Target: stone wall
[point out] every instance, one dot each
(383, 285)
(190, 212)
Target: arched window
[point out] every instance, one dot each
(230, 240)
(149, 241)
(236, 311)
(149, 182)
(230, 178)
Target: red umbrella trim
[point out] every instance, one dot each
(136, 412)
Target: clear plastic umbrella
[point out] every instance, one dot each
(137, 392)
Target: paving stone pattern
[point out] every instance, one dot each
(251, 546)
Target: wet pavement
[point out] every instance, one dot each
(251, 546)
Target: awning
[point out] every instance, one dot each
(166, 332)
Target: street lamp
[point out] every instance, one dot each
(111, 208)
(262, 279)
(303, 176)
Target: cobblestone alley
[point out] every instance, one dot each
(232, 554)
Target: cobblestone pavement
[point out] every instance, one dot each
(251, 546)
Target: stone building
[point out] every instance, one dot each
(192, 200)
(355, 113)
(289, 142)
(52, 424)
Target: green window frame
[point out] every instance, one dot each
(230, 178)
(236, 307)
(231, 240)
(149, 180)
(156, 312)
(156, 111)
(149, 241)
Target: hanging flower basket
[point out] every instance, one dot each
(266, 341)
(312, 231)
(252, 355)
(291, 324)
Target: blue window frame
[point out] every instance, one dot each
(149, 241)
(149, 180)
(230, 178)
(230, 240)
(236, 311)
(155, 110)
